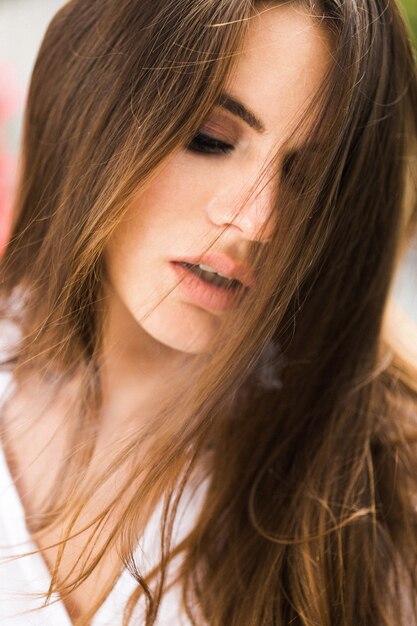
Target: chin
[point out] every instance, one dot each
(182, 327)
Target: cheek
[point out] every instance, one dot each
(171, 198)
(171, 211)
(165, 221)
(146, 224)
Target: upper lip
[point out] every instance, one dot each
(224, 265)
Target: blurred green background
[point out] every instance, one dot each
(410, 9)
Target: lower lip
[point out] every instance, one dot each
(205, 294)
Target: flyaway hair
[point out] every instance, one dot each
(301, 418)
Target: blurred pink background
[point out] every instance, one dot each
(11, 104)
(22, 26)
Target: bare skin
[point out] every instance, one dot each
(285, 58)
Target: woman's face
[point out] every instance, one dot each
(197, 198)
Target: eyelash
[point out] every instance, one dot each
(206, 144)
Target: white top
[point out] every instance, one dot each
(30, 573)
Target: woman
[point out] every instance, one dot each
(213, 200)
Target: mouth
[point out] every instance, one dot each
(212, 277)
(217, 265)
(207, 288)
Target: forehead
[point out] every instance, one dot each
(283, 60)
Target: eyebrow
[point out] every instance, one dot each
(240, 110)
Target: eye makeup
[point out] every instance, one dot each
(211, 139)
(207, 144)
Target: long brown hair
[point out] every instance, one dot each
(303, 412)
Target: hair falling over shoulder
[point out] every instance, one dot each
(303, 416)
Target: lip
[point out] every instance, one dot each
(204, 294)
(224, 265)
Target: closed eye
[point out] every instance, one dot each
(206, 144)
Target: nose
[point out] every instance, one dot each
(248, 208)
